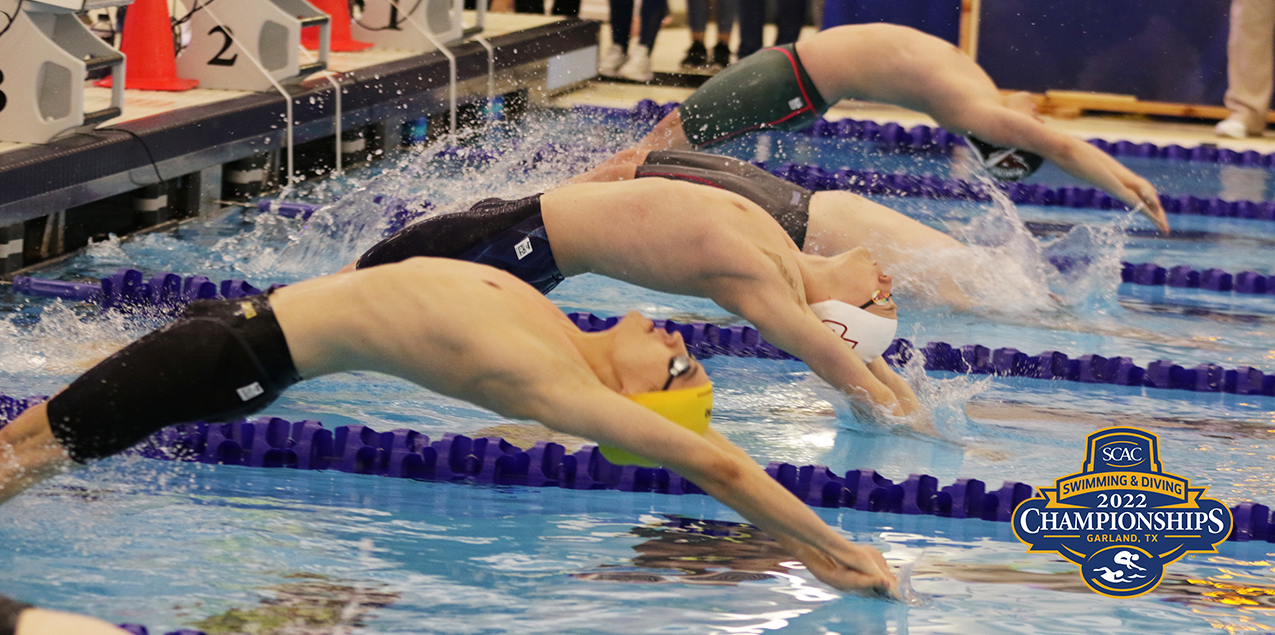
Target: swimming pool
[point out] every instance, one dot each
(176, 545)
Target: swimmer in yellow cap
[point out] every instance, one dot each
(691, 408)
(444, 325)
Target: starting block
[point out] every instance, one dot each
(46, 55)
(397, 24)
(228, 35)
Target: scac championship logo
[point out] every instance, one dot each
(1122, 519)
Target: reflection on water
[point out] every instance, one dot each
(1224, 588)
(697, 551)
(313, 605)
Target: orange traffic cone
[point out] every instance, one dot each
(342, 40)
(148, 45)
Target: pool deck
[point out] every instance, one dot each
(175, 135)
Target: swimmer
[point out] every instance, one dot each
(17, 618)
(461, 329)
(788, 87)
(827, 223)
(834, 313)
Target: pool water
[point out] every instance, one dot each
(236, 549)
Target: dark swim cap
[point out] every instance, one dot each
(1006, 164)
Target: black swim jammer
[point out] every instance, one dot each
(788, 203)
(224, 359)
(10, 610)
(507, 235)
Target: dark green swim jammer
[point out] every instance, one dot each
(768, 89)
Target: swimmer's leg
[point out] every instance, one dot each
(926, 259)
(667, 135)
(29, 453)
(37, 620)
(622, 166)
(223, 360)
(841, 221)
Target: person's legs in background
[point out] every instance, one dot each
(570, 8)
(621, 24)
(1250, 49)
(725, 23)
(789, 20)
(752, 19)
(697, 20)
(638, 68)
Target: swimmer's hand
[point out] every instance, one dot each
(848, 567)
(1138, 193)
(1151, 208)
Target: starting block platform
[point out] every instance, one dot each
(169, 139)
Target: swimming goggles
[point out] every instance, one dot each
(880, 297)
(678, 366)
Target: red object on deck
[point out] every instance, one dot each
(342, 39)
(148, 44)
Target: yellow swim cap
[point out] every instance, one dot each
(691, 408)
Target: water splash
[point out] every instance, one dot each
(63, 341)
(107, 252)
(1002, 268)
(507, 161)
(942, 417)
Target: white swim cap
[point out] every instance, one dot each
(869, 335)
(1006, 164)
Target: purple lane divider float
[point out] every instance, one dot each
(306, 445)
(129, 289)
(877, 183)
(138, 629)
(926, 139)
(1183, 276)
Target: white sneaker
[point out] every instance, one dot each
(612, 60)
(638, 68)
(1231, 127)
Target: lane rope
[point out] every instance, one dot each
(272, 442)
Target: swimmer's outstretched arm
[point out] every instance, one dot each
(996, 124)
(794, 328)
(727, 474)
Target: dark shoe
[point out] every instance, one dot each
(696, 56)
(721, 55)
